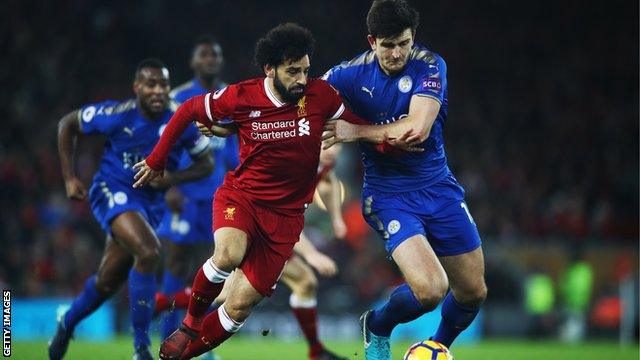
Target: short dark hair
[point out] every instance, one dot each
(152, 63)
(391, 17)
(286, 41)
(205, 39)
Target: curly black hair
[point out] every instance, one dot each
(286, 41)
(391, 17)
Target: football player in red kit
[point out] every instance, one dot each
(258, 212)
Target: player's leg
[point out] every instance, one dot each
(299, 277)
(228, 318)
(133, 232)
(468, 292)
(230, 249)
(426, 285)
(455, 239)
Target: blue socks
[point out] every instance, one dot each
(171, 319)
(455, 319)
(142, 291)
(401, 307)
(83, 305)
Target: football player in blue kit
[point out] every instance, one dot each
(411, 199)
(186, 224)
(127, 215)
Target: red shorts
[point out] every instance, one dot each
(271, 236)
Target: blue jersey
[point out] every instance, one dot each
(382, 99)
(131, 137)
(224, 150)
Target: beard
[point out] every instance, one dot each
(286, 94)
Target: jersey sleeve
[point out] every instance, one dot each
(432, 80)
(205, 109)
(98, 118)
(334, 106)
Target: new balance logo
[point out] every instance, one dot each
(303, 127)
(254, 114)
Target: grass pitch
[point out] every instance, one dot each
(244, 348)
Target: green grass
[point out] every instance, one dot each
(267, 349)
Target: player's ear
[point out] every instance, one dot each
(270, 71)
(135, 87)
(372, 41)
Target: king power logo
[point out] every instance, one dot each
(303, 127)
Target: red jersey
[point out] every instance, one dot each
(279, 142)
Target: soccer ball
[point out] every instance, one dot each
(428, 350)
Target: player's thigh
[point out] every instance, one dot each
(114, 266)
(231, 247)
(133, 232)
(466, 276)
(242, 297)
(298, 275)
(178, 257)
(421, 269)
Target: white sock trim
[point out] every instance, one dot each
(212, 272)
(227, 322)
(296, 302)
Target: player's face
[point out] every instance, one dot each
(207, 60)
(392, 52)
(328, 157)
(290, 79)
(152, 90)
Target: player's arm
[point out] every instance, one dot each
(319, 261)
(199, 109)
(331, 194)
(219, 130)
(201, 166)
(414, 128)
(68, 131)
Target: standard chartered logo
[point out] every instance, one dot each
(303, 127)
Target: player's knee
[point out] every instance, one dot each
(148, 259)
(308, 285)
(474, 296)
(238, 309)
(226, 258)
(107, 286)
(431, 293)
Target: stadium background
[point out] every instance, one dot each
(542, 132)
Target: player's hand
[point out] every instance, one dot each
(323, 264)
(75, 189)
(204, 130)
(174, 199)
(408, 141)
(145, 174)
(162, 182)
(339, 228)
(338, 131)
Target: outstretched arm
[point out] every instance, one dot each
(153, 166)
(68, 131)
(415, 127)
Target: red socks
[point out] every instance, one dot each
(216, 328)
(307, 315)
(207, 285)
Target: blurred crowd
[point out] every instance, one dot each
(542, 129)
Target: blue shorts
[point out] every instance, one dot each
(191, 226)
(111, 198)
(437, 212)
